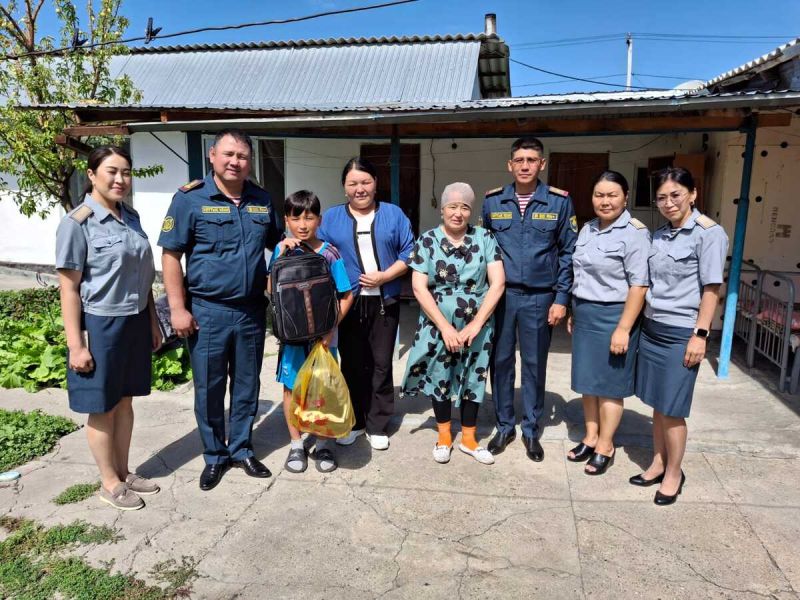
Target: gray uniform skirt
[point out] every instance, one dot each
(595, 371)
(121, 348)
(661, 379)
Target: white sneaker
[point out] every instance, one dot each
(482, 455)
(441, 454)
(378, 441)
(351, 437)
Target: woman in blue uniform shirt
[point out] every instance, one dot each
(105, 267)
(610, 267)
(686, 263)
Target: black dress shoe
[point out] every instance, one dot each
(580, 453)
(664, 500)
(500, 440)
(212, 475)
(642, 482)
(533, 449)
(253, 467)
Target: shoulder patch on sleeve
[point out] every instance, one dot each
(705, 222)
(80, 214)
(558, 191)
(493, 192)
(191, 185)
(637, 223)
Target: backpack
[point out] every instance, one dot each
(303, 297)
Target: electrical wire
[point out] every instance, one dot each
(70, 49)
(616, 85)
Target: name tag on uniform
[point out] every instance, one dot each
(545, 216)
(258, 209)
(216, 209)
(500, 215)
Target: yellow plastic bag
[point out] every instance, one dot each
(320, 398)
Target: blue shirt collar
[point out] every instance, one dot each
(213, 189)
(100, 211)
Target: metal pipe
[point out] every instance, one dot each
(394, 164)
(734, 273)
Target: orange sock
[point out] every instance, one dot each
(445, 437)
(468, 437)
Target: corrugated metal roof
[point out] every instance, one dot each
(775, 56)
(309, 75)
(578, 99)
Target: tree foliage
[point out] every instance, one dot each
(28, 152)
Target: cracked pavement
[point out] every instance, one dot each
(397, 525)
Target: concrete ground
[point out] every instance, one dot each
(395, 524)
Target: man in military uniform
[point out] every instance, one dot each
(535, 227)
(222, 223)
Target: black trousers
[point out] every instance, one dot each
(442, 410)
(366, 345)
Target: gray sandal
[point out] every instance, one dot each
(296, 455)
(327, 456)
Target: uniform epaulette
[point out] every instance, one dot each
(637, 223)
(191, 185)
(80, 214)
(558, 192)
(493, 192)
(705, 222)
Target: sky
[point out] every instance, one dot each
(530, 28)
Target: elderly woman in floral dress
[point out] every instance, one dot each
(458, 279)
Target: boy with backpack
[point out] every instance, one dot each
(303, 216)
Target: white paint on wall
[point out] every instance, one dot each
(27, 240)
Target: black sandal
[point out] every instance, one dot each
(296, 455)
(325, 455)
(600, 462)
(581, 452)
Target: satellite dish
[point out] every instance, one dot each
(692, 84)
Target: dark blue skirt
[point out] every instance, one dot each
(121, 348)
(595, 371)
(661, 379)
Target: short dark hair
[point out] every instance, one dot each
(237, 134)
(359, 164)
(301, 201)
(613, 177)
(679, 175)
(527, 143)
(99, 155)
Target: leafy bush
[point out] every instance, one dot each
(24, 436)
(33, 347)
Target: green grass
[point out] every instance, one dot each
(25, 436)
(77, 493)
(34, 566)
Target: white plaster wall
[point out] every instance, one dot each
(27, 240)
(151, 196)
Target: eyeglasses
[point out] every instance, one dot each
(519, 161)
(675, 198)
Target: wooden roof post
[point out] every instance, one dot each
(735, 270)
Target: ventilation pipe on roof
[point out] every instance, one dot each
(490, 26)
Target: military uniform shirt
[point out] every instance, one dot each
(607, 262)
(537, 244)
(224, 243)
(681, 263)
(114, 257)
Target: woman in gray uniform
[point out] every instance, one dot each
(105, 268)
(610, 266)
(686, 262)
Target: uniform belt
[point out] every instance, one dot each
(527, 288)
(249, 304)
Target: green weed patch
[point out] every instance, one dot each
(77, 493)
(25, 436)
(34, 566)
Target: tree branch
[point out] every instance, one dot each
(16, 31)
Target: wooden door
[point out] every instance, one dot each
(696, 165)
(575, 172)
(379, 155)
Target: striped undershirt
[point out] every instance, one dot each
(522, 200)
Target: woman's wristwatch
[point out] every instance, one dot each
(702, 333)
